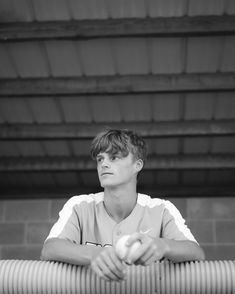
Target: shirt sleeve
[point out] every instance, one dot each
(68, 225)
(173, 225)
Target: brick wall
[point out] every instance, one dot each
(24, 224)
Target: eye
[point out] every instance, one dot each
(114, 157)
(99, 159)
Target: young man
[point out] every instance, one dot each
(89, 225)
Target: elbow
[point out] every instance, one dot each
(47, 251)
(201, 255)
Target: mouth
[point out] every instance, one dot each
(106, 173)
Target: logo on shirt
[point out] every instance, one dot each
(97, 244)
(145, 231)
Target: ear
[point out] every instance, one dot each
(139, 165)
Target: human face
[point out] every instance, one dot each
(115, 170)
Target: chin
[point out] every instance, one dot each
(106, 184)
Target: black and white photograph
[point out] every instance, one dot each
(117, 146)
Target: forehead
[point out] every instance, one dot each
(110, 153)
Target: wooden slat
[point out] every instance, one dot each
(84, 163)
(118, 84)
(133, 27)
(88, 131)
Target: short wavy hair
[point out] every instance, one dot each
(122, 141)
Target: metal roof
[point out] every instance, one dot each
(163, 68)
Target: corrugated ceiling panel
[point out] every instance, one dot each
(15, 110)
(193, 177)
(76, 109)
(30, 148)
(230, 7)
(208, 7)
(136, 108)
(56, 148)
(40, 179)
(18, 180)
(166, 55)
(15, 10)
(199, 106)
(166, 8)
(196, 145)
(225, 106)
(45, 110)
(51, 10)
(147, 178)
(127, 9)
(81, 147)
(167, 178)
(29, 60)
(163, 146)
(166, 107)
(88, 9)
(66, 179)
(90, 179)
(63, 58)
(9, 148)
(7, 69)
(105, 109)
(96, 57)
(203, 54)
(219, 177)
(228, 58)
(131, 56)
(223, 145)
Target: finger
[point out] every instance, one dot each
(99, 272)
(149, 261)
(141, 251)
(146, 256)
(113, 263)
(117, 265)
(106, 270)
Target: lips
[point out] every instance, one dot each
(106, 173)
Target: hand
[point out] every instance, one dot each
(108, 265)
(150, 250)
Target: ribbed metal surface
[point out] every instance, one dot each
(29, 277)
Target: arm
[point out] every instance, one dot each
(58, 249)
(103, 261)
(179, 251)
(153, 249)
(175, 243)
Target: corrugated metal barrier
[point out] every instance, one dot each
(35, 277)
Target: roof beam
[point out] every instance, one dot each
(154, 191)
(82, 163)
(133, 27)
(118, 84)
(88, 131)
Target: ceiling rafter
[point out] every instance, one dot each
(84, 163)
(145, 129)
(118, 84)
(132, 27)
(155, 191)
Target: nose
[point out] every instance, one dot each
(105, 163)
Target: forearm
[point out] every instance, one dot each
(65, 251)
(179, 251)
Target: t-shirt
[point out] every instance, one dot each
(84, 220)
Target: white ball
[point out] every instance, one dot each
(126, 252)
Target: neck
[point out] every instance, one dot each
(119, 203)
